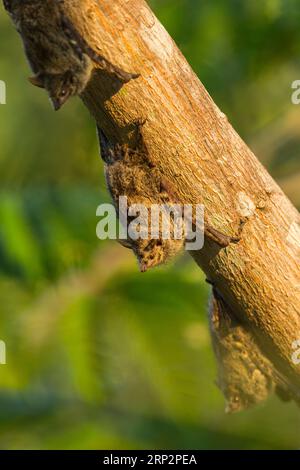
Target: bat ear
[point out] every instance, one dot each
(37, 80)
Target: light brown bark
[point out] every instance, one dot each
(194, 146)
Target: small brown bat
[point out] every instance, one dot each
(130, 172)
(59, 56)
(245, 376)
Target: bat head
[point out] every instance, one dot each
(152, 253)
(59, 86)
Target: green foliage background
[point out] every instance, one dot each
(98, 355)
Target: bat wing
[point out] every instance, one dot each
(12, 7)
(106, 147)
(82, 47)
(8, 5)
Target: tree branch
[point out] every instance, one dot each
(193, 146)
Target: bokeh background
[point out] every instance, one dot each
(98, 355)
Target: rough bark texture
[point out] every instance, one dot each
(196, 149)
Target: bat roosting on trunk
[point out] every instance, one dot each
(59, 56)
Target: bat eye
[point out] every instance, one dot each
(63, 92)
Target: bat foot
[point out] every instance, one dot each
(139, 124)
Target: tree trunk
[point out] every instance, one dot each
(195, 148)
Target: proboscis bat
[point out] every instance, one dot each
(245, 375)
(59, 56)
(129, 172)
